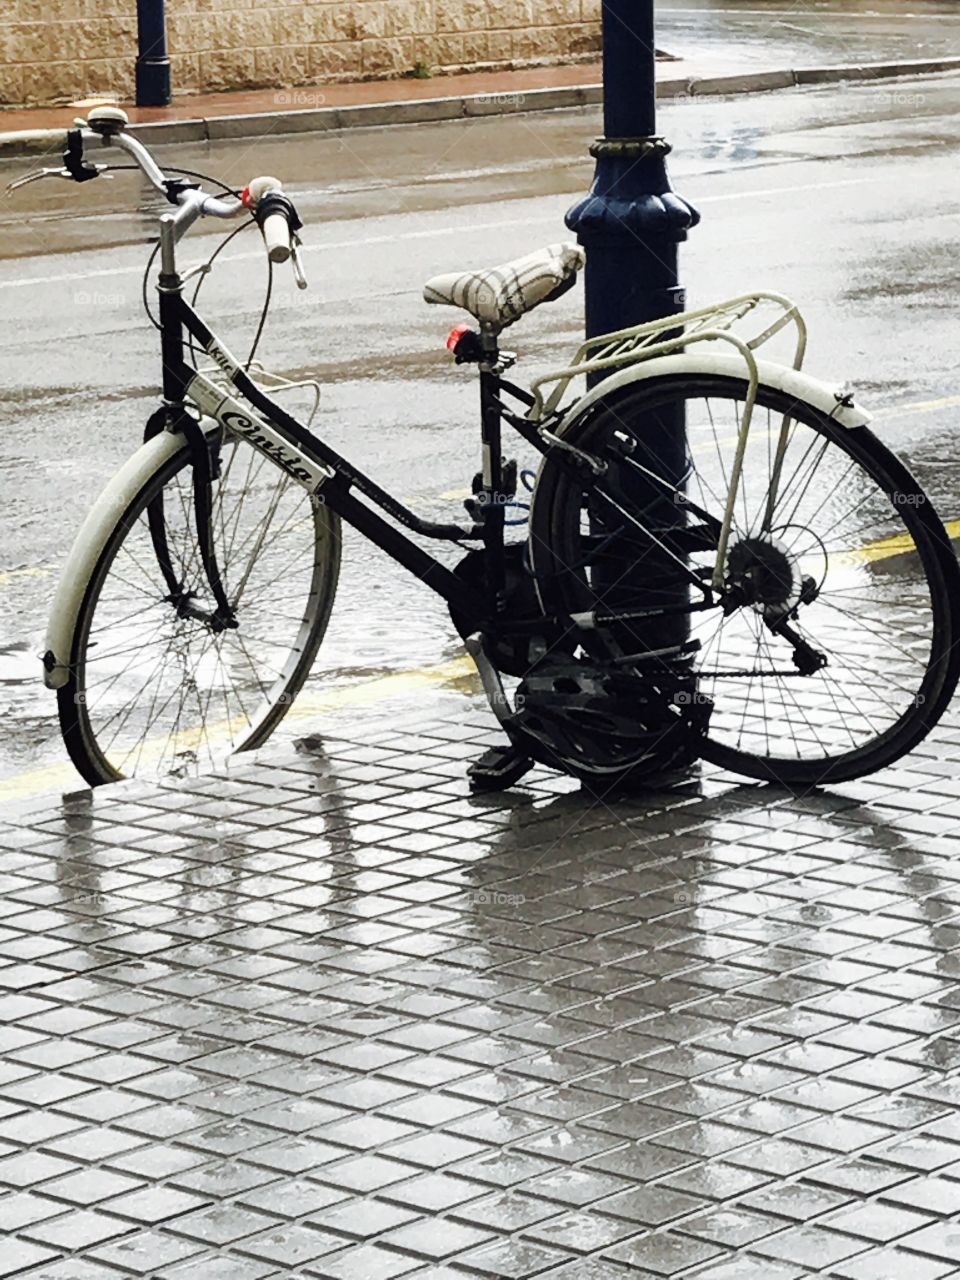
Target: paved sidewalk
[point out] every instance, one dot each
(326, 1015)
(195, 106)
(376, 103)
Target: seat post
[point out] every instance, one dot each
(492, 467)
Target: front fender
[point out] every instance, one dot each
(825, 396)
(88, 546)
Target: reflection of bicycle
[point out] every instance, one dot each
(803, 589)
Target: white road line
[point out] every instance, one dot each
(325, 246)
(776, 191)
(428, 233)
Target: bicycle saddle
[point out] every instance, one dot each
(499, 295)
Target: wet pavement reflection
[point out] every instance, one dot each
(327, 1015)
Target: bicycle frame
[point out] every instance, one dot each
(324, 473)
(330, 478)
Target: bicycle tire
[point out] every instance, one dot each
(235, 730)
(555, 530)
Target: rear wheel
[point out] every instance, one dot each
(833, 647)
(156, 689)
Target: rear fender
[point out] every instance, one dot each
(830, 398)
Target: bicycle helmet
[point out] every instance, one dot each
(597, 722)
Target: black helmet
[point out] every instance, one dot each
(599, 723)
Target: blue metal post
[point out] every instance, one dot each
(632, 220)
(153, 65)
(631, 224)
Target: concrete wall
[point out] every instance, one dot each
(61, 50)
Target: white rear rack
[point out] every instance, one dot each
(659, 337)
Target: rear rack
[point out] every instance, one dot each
(616, 350)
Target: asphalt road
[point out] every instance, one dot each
(787, 34)
(846, 199)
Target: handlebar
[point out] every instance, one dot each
(263, 197)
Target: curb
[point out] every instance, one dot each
(381, 114)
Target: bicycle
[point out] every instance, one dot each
(777, 596)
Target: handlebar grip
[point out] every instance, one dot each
(275, 214)
(276, 236)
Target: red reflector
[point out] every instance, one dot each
(455, 334)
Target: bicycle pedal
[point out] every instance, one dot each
(498, 769)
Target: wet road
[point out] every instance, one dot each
(786, 34)
(846, 199)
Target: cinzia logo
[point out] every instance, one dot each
(256, 435)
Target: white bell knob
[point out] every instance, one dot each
(107, 120)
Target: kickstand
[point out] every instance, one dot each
(499, 767)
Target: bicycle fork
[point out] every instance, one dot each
(173, 416)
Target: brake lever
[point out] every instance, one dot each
(36, 176)
(53, 173)
(295, 262)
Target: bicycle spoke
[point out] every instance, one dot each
(818, 551)
(162, 688)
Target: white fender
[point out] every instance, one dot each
(88, 545)
(829, 398)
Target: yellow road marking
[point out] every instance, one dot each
(29, 571)
(311, 703)
(898, 545)
(920, 406)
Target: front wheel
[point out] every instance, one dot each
(831, 649)
(155, 686)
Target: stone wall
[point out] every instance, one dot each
(63, 50)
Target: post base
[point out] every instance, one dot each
(153, 82)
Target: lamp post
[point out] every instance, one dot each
(631, 223)
(632, 220)
(153, 65)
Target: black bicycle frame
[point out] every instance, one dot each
(178, 318)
